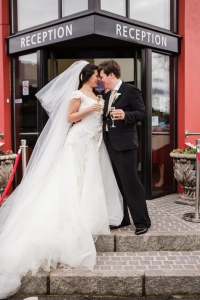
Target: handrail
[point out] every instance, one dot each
(191, 133)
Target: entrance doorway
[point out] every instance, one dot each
(140, 67)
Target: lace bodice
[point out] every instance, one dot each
(93, 120)
(91, 124)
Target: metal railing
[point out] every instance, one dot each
(24, 157)
(187, 133)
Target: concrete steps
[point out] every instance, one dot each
(163, 262)
(123, 274)
(151, 241)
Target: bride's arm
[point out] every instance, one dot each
(74, 115)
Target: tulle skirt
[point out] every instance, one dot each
(59, 220)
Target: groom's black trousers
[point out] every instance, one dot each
(125, 168)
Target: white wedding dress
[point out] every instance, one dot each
(58, 219)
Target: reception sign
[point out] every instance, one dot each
(93, 24)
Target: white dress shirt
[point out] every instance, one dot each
(116, 88)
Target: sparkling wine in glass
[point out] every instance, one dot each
(112, 116)
(99, 99)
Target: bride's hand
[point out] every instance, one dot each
(95, 107)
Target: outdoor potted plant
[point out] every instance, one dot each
(7, 159)
(184, 165)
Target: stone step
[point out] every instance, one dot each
(168, 232)
(127, 241)
(123, 274)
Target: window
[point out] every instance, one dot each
(154, 12)
(116, 7)
(31, 13)
(70, 7)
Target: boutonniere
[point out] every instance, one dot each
(116, 97)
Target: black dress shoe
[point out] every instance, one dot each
(121, 225)
(139, 231)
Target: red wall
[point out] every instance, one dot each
(188, 71)
(5, 108)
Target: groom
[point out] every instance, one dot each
(122, 141)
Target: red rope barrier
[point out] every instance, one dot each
(11, 176)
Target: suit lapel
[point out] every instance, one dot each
(107, 97)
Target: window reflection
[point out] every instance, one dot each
(32, 13)
(154, 12)
(70, 7)
(116, 7)
(162, 172)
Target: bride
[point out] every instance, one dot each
(68, 195)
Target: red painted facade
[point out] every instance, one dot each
(5, 108)
(188, 71)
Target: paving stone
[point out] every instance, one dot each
(146, 260)
(34, 285)
(77, 282)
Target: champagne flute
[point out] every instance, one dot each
(99, 99)
(112, 116)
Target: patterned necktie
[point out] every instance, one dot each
(111, 101)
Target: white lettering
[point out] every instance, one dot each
(148, 33)
(23, 42)
(28, 40)
(44, 35)
(32, 42)
(143, 35)
(164, 41)
(130, 32)
(39, 38)
(118, 29)
(152, 38)
(62, 32)
(54, 34)
(138, 34)
(68, 29)
(125, 31)
(50, 31)
(157, 39)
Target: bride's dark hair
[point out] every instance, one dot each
(86, 73)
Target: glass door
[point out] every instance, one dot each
(162, 123)
(25, 104)
(30, 73)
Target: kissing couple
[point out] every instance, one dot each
(81, 177)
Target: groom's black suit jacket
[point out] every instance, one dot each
(124, 135)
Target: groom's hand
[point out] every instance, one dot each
(119, 114)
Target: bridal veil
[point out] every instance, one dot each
(54, 98)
